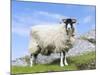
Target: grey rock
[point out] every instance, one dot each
(19, 62)
(81, 46)
(90, 34)
(47, 59)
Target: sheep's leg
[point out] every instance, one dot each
(35, 57)
(31, 60)
(65, 60)
(61, 59)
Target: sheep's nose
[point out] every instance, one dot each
(68, 40)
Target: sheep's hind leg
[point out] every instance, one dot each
(61, 59)
(35, 57)
(31, 60)
(65, 60)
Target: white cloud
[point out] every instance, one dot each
(21, 23)
(38, 17)
(20, 31)
(43, 17)
(51, 15)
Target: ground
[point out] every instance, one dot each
(86, 61)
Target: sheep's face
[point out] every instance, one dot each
(69, 25)
(71, 35)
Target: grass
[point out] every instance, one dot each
(81, 62)
(41, 68)
(85, 61)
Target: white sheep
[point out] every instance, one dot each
(46, 39)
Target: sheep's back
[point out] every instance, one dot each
(53, 37)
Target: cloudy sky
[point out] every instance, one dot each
(27, 14)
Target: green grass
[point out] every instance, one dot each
(82, 62)
(41, 68)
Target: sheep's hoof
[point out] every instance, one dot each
(62, 65)
(66, 64)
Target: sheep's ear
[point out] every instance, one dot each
(74, 20)
(64, 20)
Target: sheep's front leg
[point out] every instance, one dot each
(31, 60)
(61, 59)
(65, 60)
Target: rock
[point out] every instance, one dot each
(81, 46)
(90, 34)
(19, 62)
(47, 59)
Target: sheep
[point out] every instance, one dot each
(46, 39)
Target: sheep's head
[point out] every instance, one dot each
(69, 23)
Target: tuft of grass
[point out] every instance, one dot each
(81, 62)
(84, 61)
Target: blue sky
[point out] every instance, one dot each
(27, 14)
